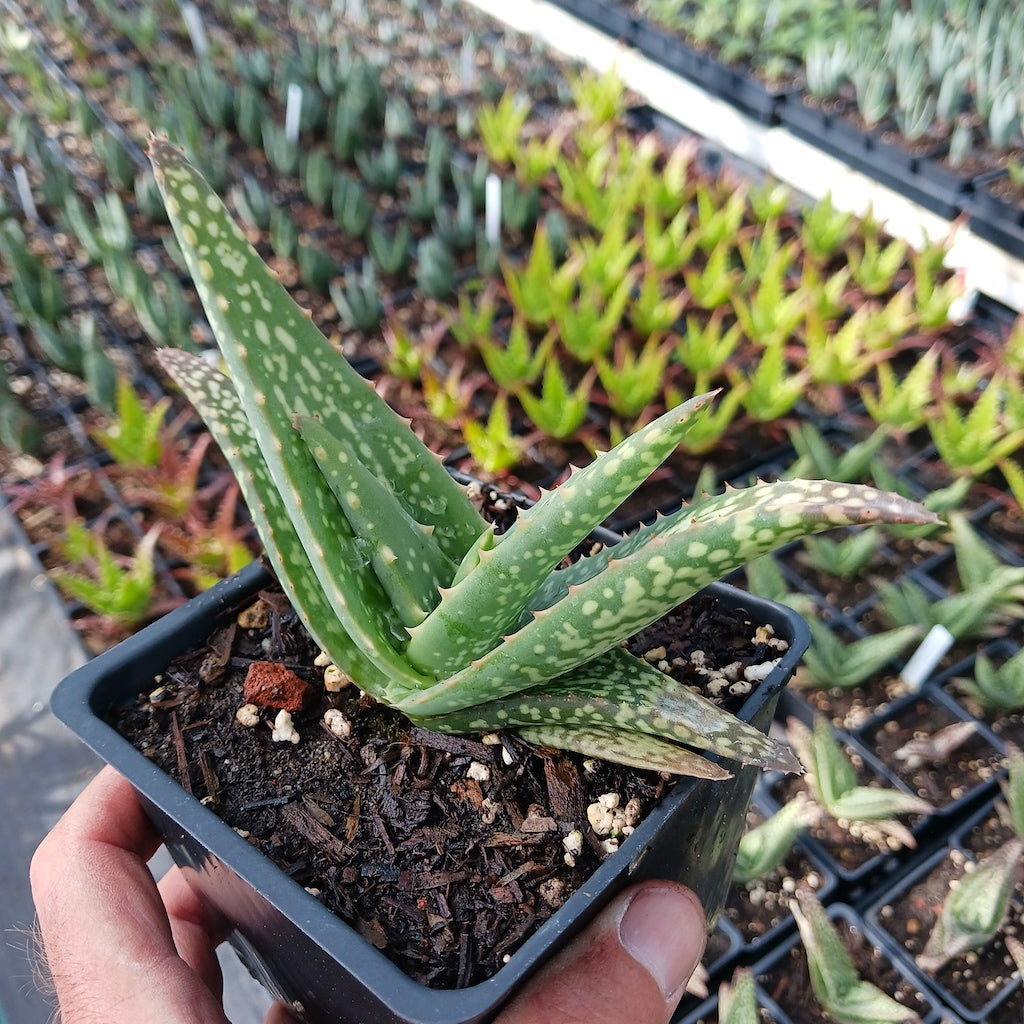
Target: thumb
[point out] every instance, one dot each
(633, 960)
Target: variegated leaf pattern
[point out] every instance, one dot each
(408, 562)
(488, 601)
(618, 691)
(641, 581)
(216, 400)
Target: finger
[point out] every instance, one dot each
(196, 935)
(280, 1013)
(106, 934)
(635, 959)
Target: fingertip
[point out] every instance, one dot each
(282, 1013)
(664, 929)
(643, 947)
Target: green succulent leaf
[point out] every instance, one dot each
(975, 909)
(846, 997)
(833, 781)
(763, 848)
(996, 688)
(1013, 788)
(868, 803)
(389, 537)
(609, 596)
(618, 691)
(737, 1003)
(490, 600)
(216, 400)
(625, 748)
(829, 772)
(831, 662)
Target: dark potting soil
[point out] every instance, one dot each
(756, 908)
(444, 852)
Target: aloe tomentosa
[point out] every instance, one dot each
(408, 589)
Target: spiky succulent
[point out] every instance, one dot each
(407, 588)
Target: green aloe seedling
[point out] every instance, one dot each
(100, 580)
(830, 662)
(560, 409)
(737, 1003)
(837, 985)
(975, 909)
(996, 688)
(763, 848)
(843, 559)
(494, 445)
(406, 587)
(833, 782)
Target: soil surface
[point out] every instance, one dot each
(444, 852)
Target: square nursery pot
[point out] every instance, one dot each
(783, 977)
(299, 949)
(962, 985)
(995, 219)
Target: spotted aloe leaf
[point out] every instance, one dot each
(283, 366)
(386, 534)
(618, 691)
(615, 745)
(841, 991)
(849, 504)
(975, 909)
(641, 579)
(216, 400)
(488, 601)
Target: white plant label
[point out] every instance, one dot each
(293, 112)
(923, 661)
(492, 209)
(196, 28)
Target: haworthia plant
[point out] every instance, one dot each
(408, 589)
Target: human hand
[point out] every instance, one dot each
(121, 947)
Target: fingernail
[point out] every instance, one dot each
(664, 929)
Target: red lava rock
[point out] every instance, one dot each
(270, 685)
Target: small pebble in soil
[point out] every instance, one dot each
(284, 730)
(335, 680)
(248, 715)
(337, 723)
(256, 616)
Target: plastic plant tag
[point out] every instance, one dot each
(931, 651)
(196, 30)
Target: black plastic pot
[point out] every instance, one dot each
(300, 950)
(994, 219)
(736, 86)
(997, 1006)
(610, 18)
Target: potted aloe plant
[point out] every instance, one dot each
(408, 590)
